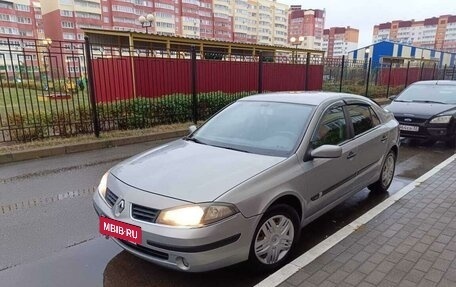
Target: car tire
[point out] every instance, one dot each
(281, 242)
(387, 174)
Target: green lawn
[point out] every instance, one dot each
(21, 101)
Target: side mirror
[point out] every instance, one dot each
(327, 151)
(191, 129)
(393, 97)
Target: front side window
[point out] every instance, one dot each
(361, 118)
(332, 129)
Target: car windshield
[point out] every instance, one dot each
(268, 128)
(444, 94)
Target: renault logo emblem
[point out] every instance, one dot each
(119, 207)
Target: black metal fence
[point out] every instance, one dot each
(54, 89)
(380, 80)
(43, 89)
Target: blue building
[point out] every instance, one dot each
(386, 52)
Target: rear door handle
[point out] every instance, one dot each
(351, 155)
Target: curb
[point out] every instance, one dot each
(306, 258)
(74, 148)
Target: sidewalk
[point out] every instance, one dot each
(410, 243)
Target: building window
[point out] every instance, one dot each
(68, 25)
(69, 36)
(6, 5)
(21, 7)
(66, 13)
(7, 18)
(9, 31)
(87, 4)
(164, 6)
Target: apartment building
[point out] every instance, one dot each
(432, 33)
(64, 19)
(308, 25)
(19, 19)
(254, 21)
(259, 21)
(338, 41)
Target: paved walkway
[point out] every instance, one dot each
(411, 243)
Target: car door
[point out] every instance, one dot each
(325, 180)
(371, 137)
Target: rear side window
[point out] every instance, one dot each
(363, 118)
(332, 129)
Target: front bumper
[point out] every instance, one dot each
(203, 249)
(426, 131)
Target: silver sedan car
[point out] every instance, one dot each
(241, 186)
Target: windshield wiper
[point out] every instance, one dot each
(402, 101)
(232, 148)
(195, 140)
(428, 102)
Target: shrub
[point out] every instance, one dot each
(126, 114)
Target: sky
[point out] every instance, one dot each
(364, 14)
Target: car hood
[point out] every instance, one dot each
(191, 172)
(418, 110)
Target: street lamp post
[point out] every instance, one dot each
(366, 57)
(47, 66)
(146, 21)
(296, 43)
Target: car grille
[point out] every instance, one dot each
(145, 250)
(144, 213)
(410, 120)
(111, 198)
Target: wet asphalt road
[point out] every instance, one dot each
(49, 236)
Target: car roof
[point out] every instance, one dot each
(438, 82)
(313, 98)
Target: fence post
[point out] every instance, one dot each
(389, 80)
(421, 71)
(452, 74)
(433, 71)
(193, 70)
(407, 75)
(342, 74)
(369, 65)
(91, 87)
(306, 81)
(260, 72)
(444, 72)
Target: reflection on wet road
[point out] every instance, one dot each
(85, 259)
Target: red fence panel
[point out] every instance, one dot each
(399, 75)
(226, 76)
(113, 79)
(291, 77)
(283, 77)
(156, 77)
(315, 77)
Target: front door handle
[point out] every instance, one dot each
(384, 138)
(351, 155)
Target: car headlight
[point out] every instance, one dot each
(441, 120)
(196, 215)
(103, 185)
